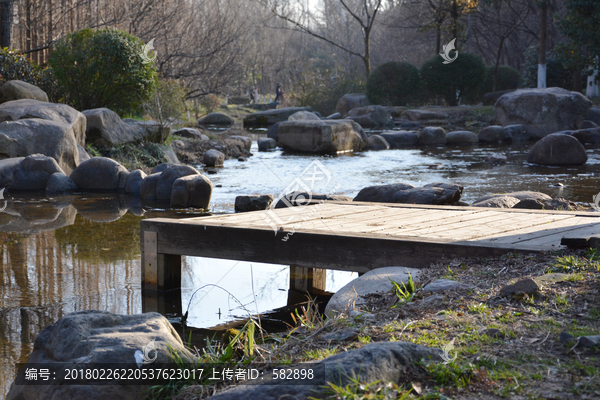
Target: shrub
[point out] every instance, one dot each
(167, 103)
(507, 78)
(322, 89)
(459, 80)
(210, 103)
(393, 84)
(103, 68)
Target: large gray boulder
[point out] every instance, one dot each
(216, 118)
(300, 198)
(104, 127)
(152, 131)
(432, 135)
(17, 90)
(168, 177)
(326, 136)
(518, 133)
(508, 200)
(59, 183)
(374, 362)
(400, 139)
(424, 115)
(270, 117)
(349, 101)
(192, 191)
(27, 108)
(272, 132)
(148, 187)
(213, 158)
(492, 134)
(544, 111)
(133, 184)
(593, 115)
(266, 144)
(245, 140)
(88, 339)
(33, 172)
(371, 117)
(557, 149)
(100, 174)
(353, 295)
(304, 116)
(586, 136)
(38, 136)
(376, 142)
(7, 169)
(83, 155)
(433, 193)
(191, 133)
(462, 138)
(253, 203)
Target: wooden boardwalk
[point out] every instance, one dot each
(354, 236)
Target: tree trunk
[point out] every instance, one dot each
(367, 57)
(543, 44)
(494, 85)
(50, 29)
(6, 23)
(577, 87)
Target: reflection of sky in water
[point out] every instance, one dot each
(271, 283)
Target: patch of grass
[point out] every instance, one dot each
(480, 308)
(355, 390)
(594, 313)
(451, 374)
(573, 264)
(404, 292)
(319, 354)
(364, 339)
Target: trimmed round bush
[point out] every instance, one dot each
(507, 78)
(15, 66)
(393, 84)
(103, 68)
(461, 79)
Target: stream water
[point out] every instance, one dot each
(72, 253)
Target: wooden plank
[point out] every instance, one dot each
(544, 229)
(579, 231)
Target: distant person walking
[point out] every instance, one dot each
(279, 94)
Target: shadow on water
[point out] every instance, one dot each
(71, 253)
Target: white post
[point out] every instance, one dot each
(541, 76)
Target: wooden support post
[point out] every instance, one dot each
(305, 280)
(160, 272)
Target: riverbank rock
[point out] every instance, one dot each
(38, 136)
(190, 133)
(517, 133)
(7, 169)
(352, 296)
(192, 191)
(33, 109)
(100, 174)
(299, 198)
(424, 115)
(385, 361)
(496, 158)
(461, 138)
(87, 339)
(17, 90)
(441, 285)
(83, 155)
(554, 204)
(33, 172)
(167, 178)
(489, 99)
(272, 132)
(376, 142)
(152, 131)
(508, 200)
(104, 127)
(593, 115)
(557, 149)
(325, 136)
(59, 183)
(371, 117)
(349, 101)
(270, 117)
(304, 116)
(586, 136)
(433, 193)
(244, 140)
(253, 203)
(336, 115)
(148, 186)
(133, 184)
(216, 118)
(213, 158)
(266, 144)
(544, 111)
(492, 134)
(431, 135)
(401, 139)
